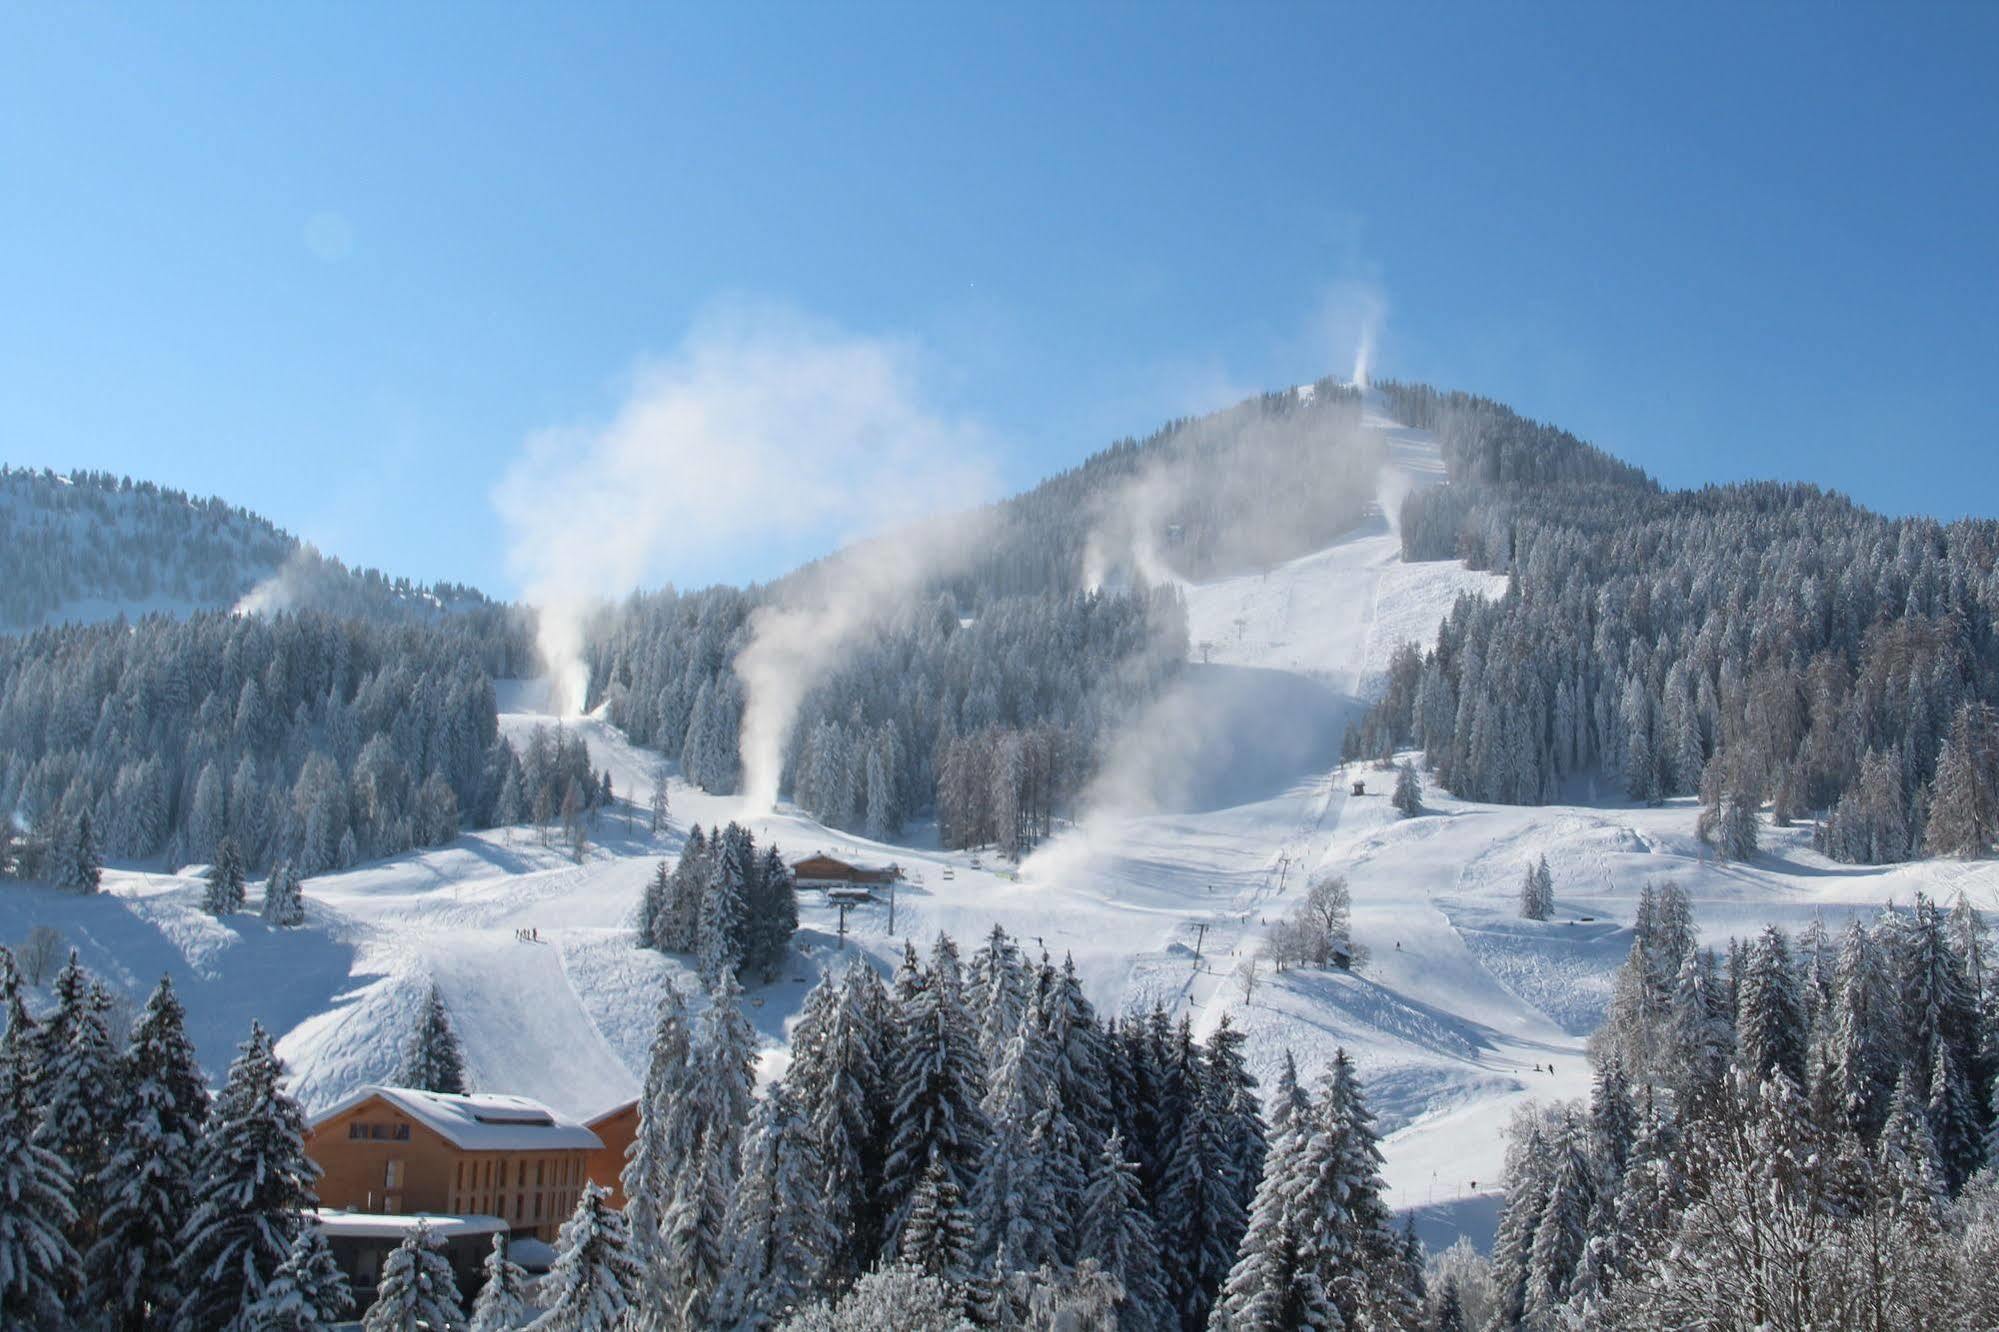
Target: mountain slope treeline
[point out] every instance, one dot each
(1753, 643)
(299, 737)
(988, 699)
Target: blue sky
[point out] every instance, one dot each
(339, 262)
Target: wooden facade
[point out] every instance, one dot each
(615, 1128)
(820, 870)
(393, 1151)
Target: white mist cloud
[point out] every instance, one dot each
(762, 429)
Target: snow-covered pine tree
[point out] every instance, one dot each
(1202, 1214)
(308, 1293)
(252, 1186)
(1736, 838)
(1529, 1171)
(838, 1080)
(773, 915)
(596, 1281)
(1015, 1214)
(653, 903)
(934, 1089)
(432, 1059)
(1861, 1034)
(81, 1093)
(1116, 1231)
(1907, 1154)
(1563, 1234)
(663, 1141)
(778, 1240)
(79, 863)
(996, 992)
(147, 1183)
(1408, 797)
(417, 1292)
(1769, 1018)
(1241, 1114)
(679, 930)
(225, 892)
(1953, 1119)
(658, 806)
(1532, 905)
(721, 1078)
(37, 1265)
(1701, 1031)
(725, 905)
(502, 1302)
(284, 896)
(938, 1236)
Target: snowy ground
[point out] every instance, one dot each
(1459, 1006)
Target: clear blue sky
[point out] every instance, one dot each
(335, 262)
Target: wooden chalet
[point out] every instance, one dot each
(830, 873)
(394, 1151)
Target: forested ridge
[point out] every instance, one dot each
(1758, 644)
(93, 537)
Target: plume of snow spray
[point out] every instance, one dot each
(763, 430)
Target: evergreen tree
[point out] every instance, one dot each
(1534, 905)
(1769, 1019)
(417, 1292)
(721, 1078)
(725, 905)
(226, 891)
(663, 1142)
(1861, 1034)
(1116, 1231)
(778, 1239)
(252, 1185)
(837, 1075)
(596, 1281)
(937, 1238)
(653, 930)
(502, 1302)
(1562, 1234)
(432, 1059)
(37, 1264)
(308, 1293)
(81, 1093)
(658, 806)
(147, 1183)
(284, 896)
(79, 865)
(934, 1091)
(1408, 796)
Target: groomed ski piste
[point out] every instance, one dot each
(1461, 1013)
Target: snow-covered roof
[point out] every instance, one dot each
(531, 1253)
(335, 1222)
(483, 1122)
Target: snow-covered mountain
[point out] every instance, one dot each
(1212, 813)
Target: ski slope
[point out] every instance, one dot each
(1214, 812)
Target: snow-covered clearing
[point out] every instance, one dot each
(1219, 809)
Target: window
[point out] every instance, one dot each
(537, 1207)
(459, 1183)
(521, 1175)
(356, 1130)
(520, 1205)
(538, 1165)
(392, 1176)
